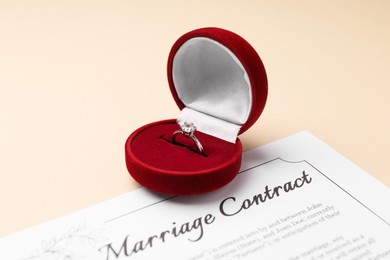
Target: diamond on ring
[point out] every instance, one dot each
(188, 129)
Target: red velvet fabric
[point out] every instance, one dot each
(245, 53)
(177, 168)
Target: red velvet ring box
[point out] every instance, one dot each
(220, 85)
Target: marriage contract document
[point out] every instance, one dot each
(293, 199)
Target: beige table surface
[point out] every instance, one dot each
(77, 77)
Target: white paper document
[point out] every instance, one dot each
(293, 199)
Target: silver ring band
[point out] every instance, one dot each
(188, 129)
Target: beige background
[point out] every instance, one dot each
(77, 77)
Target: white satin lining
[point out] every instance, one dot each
(214, 86)
(210, 125)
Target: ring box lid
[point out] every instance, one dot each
(218, 81)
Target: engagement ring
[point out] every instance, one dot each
(188, 130)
